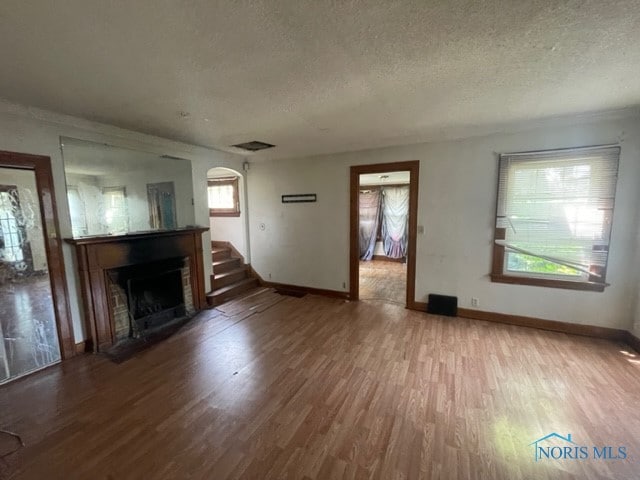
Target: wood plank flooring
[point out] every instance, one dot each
(271, 386)
(386, 281)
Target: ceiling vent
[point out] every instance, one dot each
(253, 146)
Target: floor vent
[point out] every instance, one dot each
(442, 305)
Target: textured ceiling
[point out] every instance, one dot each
(318, 76)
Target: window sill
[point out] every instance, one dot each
(551, 283)
(223, 214)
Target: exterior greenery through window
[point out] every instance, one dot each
(223, 197)
(553, 217)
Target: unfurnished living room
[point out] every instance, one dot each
(320, 239)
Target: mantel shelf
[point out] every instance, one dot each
(134, 235)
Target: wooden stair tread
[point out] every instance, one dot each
(224, 260)
(229, 273)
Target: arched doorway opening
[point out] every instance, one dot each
(226, 194)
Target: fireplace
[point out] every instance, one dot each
(137, 283)
(147, 297)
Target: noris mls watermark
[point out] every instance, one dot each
(570, 450)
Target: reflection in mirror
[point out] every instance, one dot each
(115, 190)
(28, 334)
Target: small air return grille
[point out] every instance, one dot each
(442, 305)
(253, 146)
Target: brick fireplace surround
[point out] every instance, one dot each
(96, 256)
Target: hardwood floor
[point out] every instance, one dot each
(271, 386)
(386, 281)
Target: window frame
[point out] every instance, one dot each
(499, 273)
(220, 182)
(121, 189)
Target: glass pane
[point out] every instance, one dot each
(28, 335)
(221, 196)
(520, 262)
(115, 190)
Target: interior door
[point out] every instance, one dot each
(35, 329)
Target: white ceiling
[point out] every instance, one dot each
(316, 76)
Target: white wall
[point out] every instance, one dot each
(308, 244)
(35, 131)
(231, 229)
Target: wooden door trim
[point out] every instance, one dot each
(41, 166)
(413, 167)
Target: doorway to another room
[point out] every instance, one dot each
(383, 232)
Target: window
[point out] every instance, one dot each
(553, 217)
(115, 209)
(77, 211)
(223, 197)
(12, 232)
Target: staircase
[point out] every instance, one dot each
(231, 276)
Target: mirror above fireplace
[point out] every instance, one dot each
(114, 190)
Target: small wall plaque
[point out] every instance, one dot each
(299, 198)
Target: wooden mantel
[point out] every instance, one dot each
(98, 254)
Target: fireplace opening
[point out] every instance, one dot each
(147, 297)
(154, 301)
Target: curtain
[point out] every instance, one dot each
(369, 206)
(395, 214)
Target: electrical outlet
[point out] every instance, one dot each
(475, 302)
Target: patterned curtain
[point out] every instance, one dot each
(369, 220)
(395, 214)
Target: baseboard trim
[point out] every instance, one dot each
(543, 324)
(81, 347)
(418, 306)
(309, 290)
(256, 275)
(633, 341)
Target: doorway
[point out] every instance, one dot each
(35, 329)
(383, 228)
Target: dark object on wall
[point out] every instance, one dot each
(253, 146)
(442, 305)
(299, 198)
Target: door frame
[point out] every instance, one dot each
(41, 166)
(413, 166)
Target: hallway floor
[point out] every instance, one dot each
(380, 280)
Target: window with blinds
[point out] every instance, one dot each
(553, 217)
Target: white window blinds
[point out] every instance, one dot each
(556, 209)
